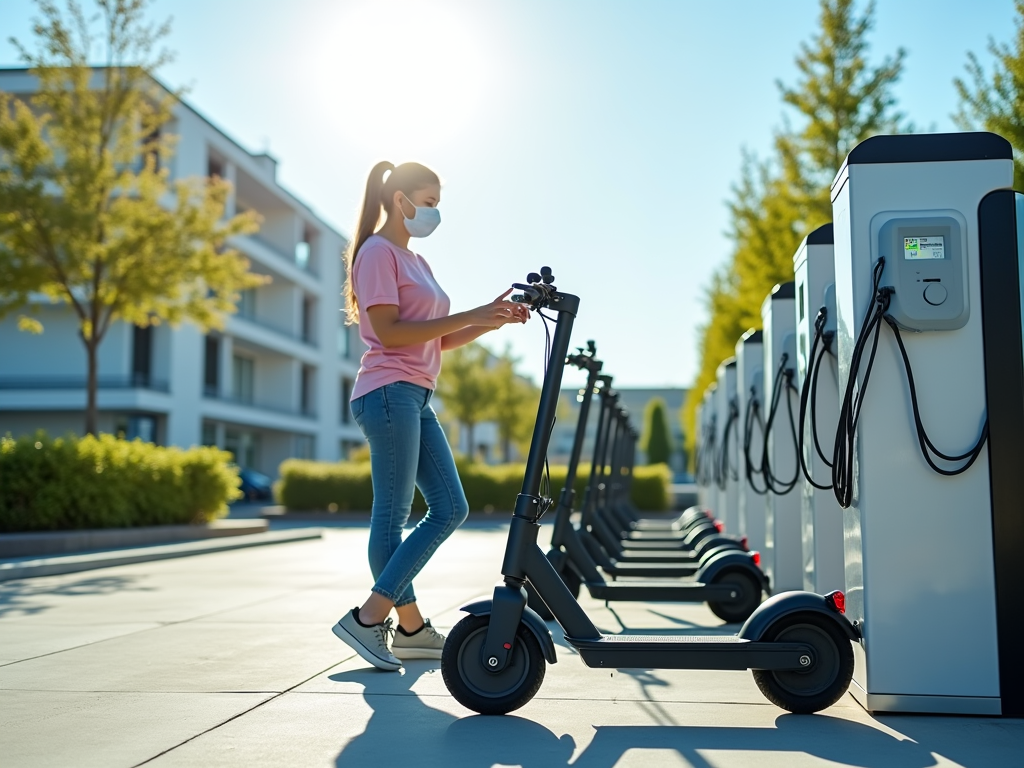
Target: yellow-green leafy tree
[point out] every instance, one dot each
(839, 100)
(514, 404)
(464, 389)
(995, 102)
(89, 215)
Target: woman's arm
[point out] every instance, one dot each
(463, 336)
(393, 332)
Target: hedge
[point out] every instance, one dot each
(104, 482)
(346, 486)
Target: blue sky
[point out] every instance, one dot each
(600, 138)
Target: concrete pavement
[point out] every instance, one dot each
(227, 659)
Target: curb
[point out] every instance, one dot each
(54, 543)
(31, 567)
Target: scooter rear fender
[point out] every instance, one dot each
(787, 603)
(730, 560)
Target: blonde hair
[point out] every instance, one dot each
(377, 200)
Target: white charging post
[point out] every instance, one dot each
(749, 386)
(783, 549)
(820, 514)
(920, 552)
(728, 455)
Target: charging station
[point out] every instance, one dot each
(933, 546)
(749, 386)
(820, 514)
(783, 547)
(727, 439)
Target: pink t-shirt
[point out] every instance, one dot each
(384, 273)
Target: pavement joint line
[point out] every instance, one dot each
(260, 704)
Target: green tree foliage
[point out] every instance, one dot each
(996, 103)
(464, 387)
(656, 440)
(514, 404)
(88, 213)
(839, 100)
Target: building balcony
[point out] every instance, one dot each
(131, 381)
(306, 413)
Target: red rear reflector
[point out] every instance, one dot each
(719, 526)
(743, 543)
(757, 557)
(836, 601)
(507, 646)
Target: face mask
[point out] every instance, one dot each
(423, 222)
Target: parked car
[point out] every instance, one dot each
(255, 485)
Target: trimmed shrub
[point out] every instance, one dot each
(104, 482)
(346, 486)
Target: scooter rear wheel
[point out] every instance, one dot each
(490, 693)
(749, 588)
(823, 683)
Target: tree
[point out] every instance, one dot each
(997, 104)
(88, 213)
(839, 101)
(464, 387)
(656, 441)
(514, 403)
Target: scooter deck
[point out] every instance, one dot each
(690, 652)
(652, 570)
(675, 557)
(657, 592)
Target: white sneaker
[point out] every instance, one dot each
(369, 642)
(427, 643)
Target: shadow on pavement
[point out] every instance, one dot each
(410, 732)
(840, 741)
(21, 598)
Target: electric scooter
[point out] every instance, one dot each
(798, 644)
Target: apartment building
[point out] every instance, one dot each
(273, 384)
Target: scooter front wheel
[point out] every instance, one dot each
(823, 683)
(475, 687)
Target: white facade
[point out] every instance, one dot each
(272, 384)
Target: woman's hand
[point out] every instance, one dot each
(499, 312)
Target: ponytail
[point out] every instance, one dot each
(407, 178)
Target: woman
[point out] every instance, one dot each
(403, 319)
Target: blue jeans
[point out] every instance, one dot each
(408, 449)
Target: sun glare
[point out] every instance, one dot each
(404, 75)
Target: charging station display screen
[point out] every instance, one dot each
(924, 247)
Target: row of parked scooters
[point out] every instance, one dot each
(797, 644)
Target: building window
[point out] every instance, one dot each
(142, 355)
(346, 396)
(303, 447)
(214, 167)
(307, 390)
(247, 303)
(211, 367)
(242, 379)
(209, 433)
(244, 446)
(309, 320)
